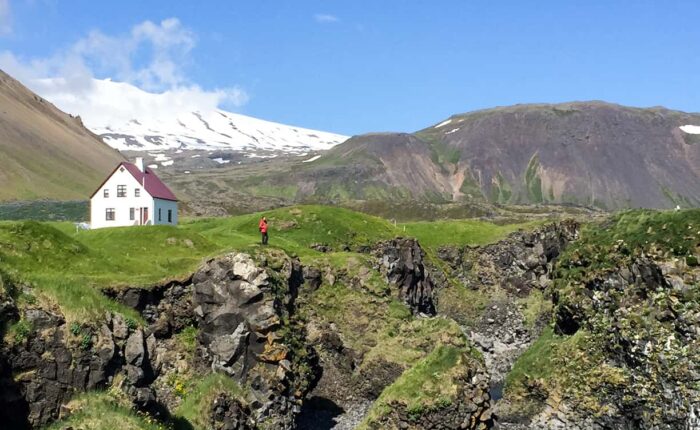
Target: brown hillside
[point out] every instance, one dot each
(587, 153)
(46, 153)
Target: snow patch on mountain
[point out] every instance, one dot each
(690, 129)
(128, 118)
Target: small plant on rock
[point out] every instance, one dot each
(86, 341)
(75, 328)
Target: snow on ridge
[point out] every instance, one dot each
(444, 123)
(314, 158)
(453, 131)
(182, 128)
(690, 129)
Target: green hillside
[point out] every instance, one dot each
(70, 267)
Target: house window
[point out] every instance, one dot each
(106, 193)
(137, 192)
(132, 214)
(109, 214)
(121, 190)
(160, 218)
(170, 215)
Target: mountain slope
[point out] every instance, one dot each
(591, 154)
(46, 153)
(130, 119)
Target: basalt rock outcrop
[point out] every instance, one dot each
(519, 263)
(244, 310)
(52, 361)
(644, 318)
(240, 309)
(401, 260)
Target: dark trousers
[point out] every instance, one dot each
(264, 238)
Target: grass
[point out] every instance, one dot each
(195, 407)
(460, 232)
(102, 411)
(534, 307)
(537, 362)
(432, 383)
(667, 234)
(464, 304)
(69, 268)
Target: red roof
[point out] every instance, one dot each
(153, 185)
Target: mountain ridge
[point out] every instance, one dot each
(46, 153)
(593, 154)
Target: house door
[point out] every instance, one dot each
(144, 216)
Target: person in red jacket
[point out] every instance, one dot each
(262, 226)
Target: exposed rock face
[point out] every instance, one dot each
(240, 307)
(167, 308)
(518, 264)
(54, 362)
(229, 414)
(645, 318)
(402, 262)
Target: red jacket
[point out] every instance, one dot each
(263, 226)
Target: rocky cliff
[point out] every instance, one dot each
(244, 311)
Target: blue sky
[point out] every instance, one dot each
(360, 66)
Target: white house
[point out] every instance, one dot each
(132, 195)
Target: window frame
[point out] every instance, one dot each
(121, 191)
(105, 193)
(110, 214)
(137, 192)
(132, 214)
(170, 216)
(160, 214)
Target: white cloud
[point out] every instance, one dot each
(151, 57)
(325, 18)
(106, 102)
(5, 17)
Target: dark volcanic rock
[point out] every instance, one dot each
(240, 307)
(402, 262)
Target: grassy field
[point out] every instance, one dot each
(69, 267)
(432, 234)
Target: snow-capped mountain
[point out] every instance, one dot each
(130, 119)
(213, 130)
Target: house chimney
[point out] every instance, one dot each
(139, 163)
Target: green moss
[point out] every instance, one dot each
(102, 411)
(71, 268)
(194, 410)
(188, 339)
(534, 307)
(626, 235)
(537, 362)
(431, 384)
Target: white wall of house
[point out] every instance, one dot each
(164, 212)
(121, 205)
